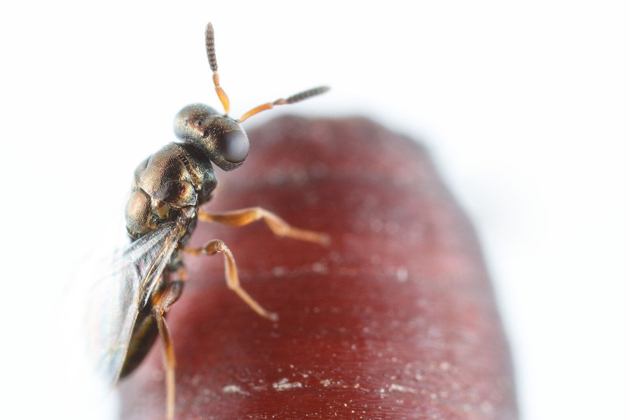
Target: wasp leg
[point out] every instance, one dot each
(161, 306)
(231, 274)
(275, 223)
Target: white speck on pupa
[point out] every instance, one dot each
(400, 388)
(284, 384)
(234, 389)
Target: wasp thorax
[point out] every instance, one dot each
(220, 137)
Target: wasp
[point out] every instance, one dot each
(168, 191)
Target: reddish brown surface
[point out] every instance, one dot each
(396, 319)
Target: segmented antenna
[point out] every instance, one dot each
(212, 59)
(290, 100)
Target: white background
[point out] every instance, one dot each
(524, 106)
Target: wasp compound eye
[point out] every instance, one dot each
(233, 146)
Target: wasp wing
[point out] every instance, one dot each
(125, 287)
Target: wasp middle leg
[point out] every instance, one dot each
(231, 274)
(276, 224)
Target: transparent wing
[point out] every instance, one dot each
(124, 285)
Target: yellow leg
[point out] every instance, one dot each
(275, 223)
(231, 274)
(160, 308)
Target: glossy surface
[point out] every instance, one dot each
(396, 319)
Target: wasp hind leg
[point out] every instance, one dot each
(161, 305)
(276, 224)
(231, 274)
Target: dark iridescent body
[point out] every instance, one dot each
(177, 178)
(168, 189)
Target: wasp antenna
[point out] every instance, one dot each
(212, 59)
(290, 100)
(306, 94)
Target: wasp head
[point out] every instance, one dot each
(220, 137)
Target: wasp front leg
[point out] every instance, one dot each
(275, 223)
(231, 274)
